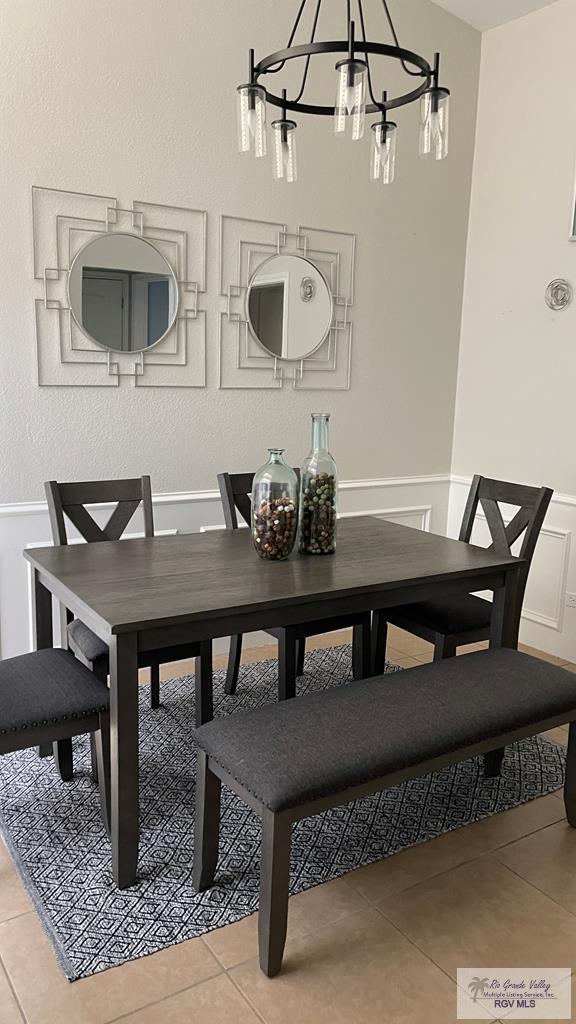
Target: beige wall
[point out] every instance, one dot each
(135, 98)
(517, 376)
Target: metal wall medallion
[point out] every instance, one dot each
(307, 289)
(244, 362)
(559, 294)
(147, 263)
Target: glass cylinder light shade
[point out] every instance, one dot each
(350, 106)
(434, 109)
(252, 119)
(383, 157)
(285, 150)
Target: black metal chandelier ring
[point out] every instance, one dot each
(341, 46)
(355, 95)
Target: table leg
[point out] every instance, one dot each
(42, 630)
(504, 628)
(203, 684)
(124, 757)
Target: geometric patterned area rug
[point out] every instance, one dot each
(56, 838)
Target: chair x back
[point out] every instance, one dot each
(449, 623)
(71, 500)
(532, 504)
(236, 494)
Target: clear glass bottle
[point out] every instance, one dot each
(318, 493)
(275, 508)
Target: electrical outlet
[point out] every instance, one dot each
(571, 600)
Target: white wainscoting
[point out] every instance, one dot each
(421, 502)
(546, 621)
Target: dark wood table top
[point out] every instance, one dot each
(154, 582)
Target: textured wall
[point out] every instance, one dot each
(136, 99)
(515, 406)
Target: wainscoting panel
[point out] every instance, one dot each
(420, 502)
(547, 622)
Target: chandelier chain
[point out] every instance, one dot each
(405, 68)
(369, 75)
(274, 70)
(307, 65)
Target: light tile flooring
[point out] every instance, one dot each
(380, 945)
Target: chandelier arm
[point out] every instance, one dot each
(369, 75)
(273, 71)
(305, 75)
(395, 38)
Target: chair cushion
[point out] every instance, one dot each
(450, 616)
(299, 750)
(48, 686)
(91, 646)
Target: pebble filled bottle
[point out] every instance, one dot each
(318, 493)
(274, 508)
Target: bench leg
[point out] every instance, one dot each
(102, 750)
(155, 686)
(444, 647)
(233, 669)
(570, 777)
(493, 763)
(361, 653)
(300, 656)
(274, 882)
(203, 684)
(64, 759)
(207, 826)
(286, 665)
(379, 638)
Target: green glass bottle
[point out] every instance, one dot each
(318, 493)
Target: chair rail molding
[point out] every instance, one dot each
(63, 222)
(245, 244)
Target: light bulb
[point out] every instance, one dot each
(350, 99)
(252, 120)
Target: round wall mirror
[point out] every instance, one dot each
(289, 307)
(122, 292)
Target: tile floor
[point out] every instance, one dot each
(380, 945)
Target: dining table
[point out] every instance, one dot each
(155, 593)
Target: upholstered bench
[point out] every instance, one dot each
(294, 759)
(49, 696)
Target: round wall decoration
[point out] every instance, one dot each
(559, 294)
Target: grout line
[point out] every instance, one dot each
(16, 917)
(454, 867)
(536, 888)
(244, 997)
(13, 990)
(169, 995)
(416, 946)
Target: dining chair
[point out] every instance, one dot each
(236, 492)
(48, 697)
(70, 500)
(450, 622)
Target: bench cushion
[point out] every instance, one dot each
(49, 686)
(289, 753)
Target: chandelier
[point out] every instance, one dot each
(355, 97)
